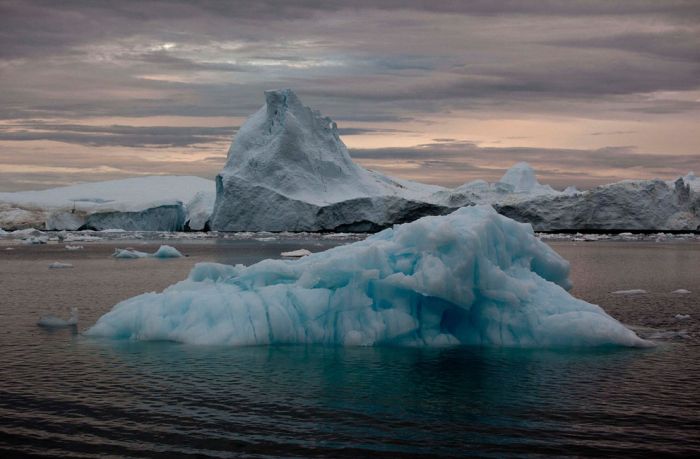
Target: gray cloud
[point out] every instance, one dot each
(381, 65)
(127, 136)
(452, 164)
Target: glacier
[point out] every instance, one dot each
(472, 277)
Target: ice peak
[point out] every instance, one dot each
(279, 100)
(522, 177)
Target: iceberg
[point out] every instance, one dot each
(519, 183)
(164, 251)
(626, 205)
(59, 265)
(151, 203)
(296, 253)
(472, 277)
(288, 170)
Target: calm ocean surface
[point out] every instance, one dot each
(67, 396)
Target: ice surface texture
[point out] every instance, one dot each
(472, 277)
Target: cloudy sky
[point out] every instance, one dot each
(444, 92)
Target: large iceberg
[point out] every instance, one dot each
(151, 203)
(627, 205)
(288, 170)
(472, 277)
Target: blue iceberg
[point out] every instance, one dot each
(473, 277)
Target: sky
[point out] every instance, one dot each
(444, 92)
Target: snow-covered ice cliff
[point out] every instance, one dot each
(626, 205)
(473, 277)
(158, 203)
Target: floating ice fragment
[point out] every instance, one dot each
(682, 316)
(59, 265)
(634, 291)
(129, 253)
(36, 240)
(166, 251)
(681, 291)
(74, 247)
(52, 321)
(296, 253)
(669, 335)
(472, 278)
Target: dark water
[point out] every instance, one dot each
(63, 395)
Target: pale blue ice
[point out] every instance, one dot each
(472, 277)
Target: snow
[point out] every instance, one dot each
(296, 253)
(71, 207)
(634, 291)
(164, 251)
(681, 291)
(288, 170)
(59, 265)
(472, 277)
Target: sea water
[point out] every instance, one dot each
(64, 395)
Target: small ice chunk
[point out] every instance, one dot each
(296, 253)
(166, 251)
(682, 316)
(129, 254)
(669, 335)
(74, 247)
(681, 291)
(51, 321)
(634, 291)
(59, 265)
(35, 240)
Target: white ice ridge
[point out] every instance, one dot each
(140, 203)
(472, 277)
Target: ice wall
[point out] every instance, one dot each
(472, 277)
